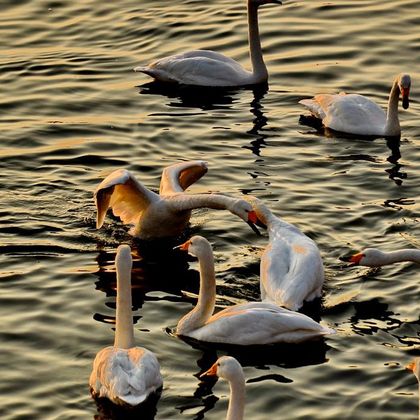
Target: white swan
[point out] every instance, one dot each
(123, 373)
(356, 114)
(209, 68)
(229, 368)
(291, 269)
(372, 257)
(165, 214)
(414, 366)
(245, 324)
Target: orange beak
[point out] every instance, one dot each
(355, 259)
(411, 366)
(184, 246)
(211, 372)
(252, 217)
(405, 100)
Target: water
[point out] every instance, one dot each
(72, 111)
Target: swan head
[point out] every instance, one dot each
(369, 257)
(123, 260)
(197, 246)
(414, 366)
(244, 210)
(259, 3)
(225, 367)
(262, 212)
(404, 84)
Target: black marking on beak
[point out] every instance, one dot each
(254, 228)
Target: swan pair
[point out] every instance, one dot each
(165, 214)
(347, 113)
(253, 323)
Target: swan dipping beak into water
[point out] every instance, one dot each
(372, 257)
(209, 68)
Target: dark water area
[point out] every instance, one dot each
(72, 110)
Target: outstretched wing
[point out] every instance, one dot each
(178, 177)
(124, 194)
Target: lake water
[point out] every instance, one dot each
(72, 111)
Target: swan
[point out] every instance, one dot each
(414, 366)
(291, 269)
(124, 373)
(209, 68)
(164, 214)
(229, 368)
(372, 257)
(251, 323)
(356, 114)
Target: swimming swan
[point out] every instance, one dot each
(251, 323)
(356, 114)
(291, 269)
(164, 214)
(123, 373)
(209, 68)
(372, 257)
(229, 368)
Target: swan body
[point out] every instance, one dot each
(229, 368)
(414, 366)
(167, 213)
(291, 269)
(124, 373)
(357, 114)
(372, 257)
(209, 68)
(251, 323)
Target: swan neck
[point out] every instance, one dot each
(392, 121)
(237, 398)
(401, 256)
(259, 68)
(206, 297)
(124, 332)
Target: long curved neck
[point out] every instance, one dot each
(400, 256)
(124, 332)
(206, 297)
(392, 127)
(259, 70)
(183, 201)
(237, 398)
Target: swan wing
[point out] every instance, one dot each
(291, 272)
(259, 323)
(125, 375)
(124, 194)
(318, 105)
(355, 114)
(199, 67)
(178, 177)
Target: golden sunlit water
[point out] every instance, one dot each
(72, 110)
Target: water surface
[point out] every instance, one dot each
(72, 111)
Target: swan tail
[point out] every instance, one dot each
(157, 74)
(314, 107)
